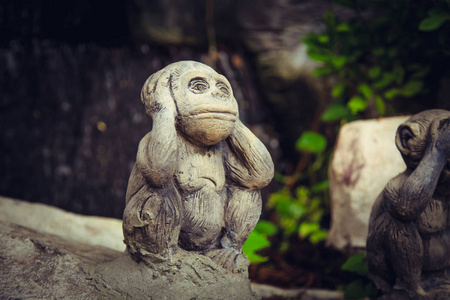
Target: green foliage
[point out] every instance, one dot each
(311, 142)
(258, 240)
(300, 215)
(255, 242)
(360, 287)
(436, 18)
(387, 52)
(357, 264)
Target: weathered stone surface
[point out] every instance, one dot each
(270, 292)
(46, 261)
(106, 232)
(42, 266)
(364, 160)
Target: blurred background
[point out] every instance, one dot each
(71, 117)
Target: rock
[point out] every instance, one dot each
(62, 257)
(270, 292)
(94, 231)
(364, 160)
(42, 266)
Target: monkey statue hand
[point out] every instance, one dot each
(440, 135)
(156, 97)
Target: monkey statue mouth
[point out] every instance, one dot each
(224, 113)
(224, 116)
(208, 127)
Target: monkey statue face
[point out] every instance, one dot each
(207, 110)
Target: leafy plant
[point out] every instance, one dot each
(300, 215)
(389, 51)
(300, 212)
(360, 287)
(258, 240)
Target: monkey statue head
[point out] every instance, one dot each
(414, 136)
(202, 100)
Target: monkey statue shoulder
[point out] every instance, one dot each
(196, 183)
(408, 246)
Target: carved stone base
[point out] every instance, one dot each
(192, 277)
(440, 291)
(41, 266)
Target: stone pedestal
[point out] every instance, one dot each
(59, 259)
(365, 159)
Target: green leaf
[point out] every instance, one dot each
(307, 228)
(421, 72)
(337, 90)
(357, 264)
(311, 142)
(288, 224)
(398, 73)
(338, 61)
(357, 104)
(355, 290)
(335, 112)
(386, 79)
(411, 88)
(323, 38)
(255, 242)
(392, 93)
(381, 106)
(290, 209)
(365, 90)
(280, 196)
(432, 23)
(324, 185)
(318, 56)
(374, 72)
(323, 71)
(343, 27)
(318, 236)
(266, 228)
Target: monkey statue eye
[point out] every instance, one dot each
(223, 88)
(198, 85)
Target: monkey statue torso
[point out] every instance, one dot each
(200, 180)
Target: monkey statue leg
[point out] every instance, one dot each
(151, 223)
(437, 249)
(405, 248)
(381, 272)
(241, 215)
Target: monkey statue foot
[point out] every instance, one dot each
(229, 259)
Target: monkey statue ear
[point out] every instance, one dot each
(156, 95)
(406, 139)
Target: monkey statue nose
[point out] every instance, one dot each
(219, 95)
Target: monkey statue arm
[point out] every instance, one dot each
(158, 150)
(250, 163)
(407, 199)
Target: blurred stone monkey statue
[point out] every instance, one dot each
(198, 173)
(408, 246)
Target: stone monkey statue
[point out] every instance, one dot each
(195, 185)
(408, 246)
